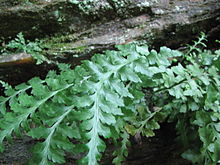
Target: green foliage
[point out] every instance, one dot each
(116, 95)
(19, 44)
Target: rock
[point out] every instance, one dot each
(173, 25)
(15, 59)
(41, 18)
(82, 28)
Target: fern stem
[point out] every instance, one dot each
(166, 88)
(143, 123)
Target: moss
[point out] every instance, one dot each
(63, 44)
(59, 38)
(80, 49)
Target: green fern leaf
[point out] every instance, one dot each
(48, 150)
(122, 152)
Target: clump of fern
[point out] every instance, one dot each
(21, 45)
(104, 98)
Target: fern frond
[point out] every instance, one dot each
(105, 97)
(22, 112)
(109, 93)
(122, 152)
(51, 143)
(11, 93)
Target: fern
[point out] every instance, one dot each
(122, 152)
(116, 95)
(21, 45)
